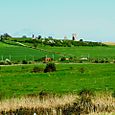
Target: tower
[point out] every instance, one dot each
(74, 36)
(65, 37)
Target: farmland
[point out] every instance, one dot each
(19, 81)
(17, 53)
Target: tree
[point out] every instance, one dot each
(50, 67)
(81, 40)
(50, 37)
(39, 37)
(6, 35)
(1, 38)
(24, 36)
(35, 43)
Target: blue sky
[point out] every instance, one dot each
(89, 19)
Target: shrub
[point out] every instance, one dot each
(63, 59)
(15, 62)
(8, 62)
(96, 61)
(82, 70)
(50, 67)
(101, 61)
(37, 69)
(2, 63)
(24, 62)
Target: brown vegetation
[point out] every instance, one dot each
(71, 104)
(109, 43)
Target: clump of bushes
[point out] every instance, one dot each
(50, 67)
(37, 69)
(8, 62)
(5, 62)
(2, 63)
(82, 70)
(24, 62)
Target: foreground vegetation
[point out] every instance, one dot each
(86, 102)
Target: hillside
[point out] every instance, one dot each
(18, 53)
(24, 49)
(110, 43)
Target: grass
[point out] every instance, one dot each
(20, 53)
(19, 80)
(85, 51)
(66, 104)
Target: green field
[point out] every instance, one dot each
(83, 51)
(19, 53)
(16, 53)
(19, 80)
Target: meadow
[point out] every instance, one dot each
(69, 78)
(19, 53)
(21, 87)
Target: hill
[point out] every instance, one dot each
(109, 43)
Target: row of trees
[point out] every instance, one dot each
(60, 43)
(52, 42)
(4, 36)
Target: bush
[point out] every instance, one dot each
(50, 67)
(24, 62)
(82, 70)
(8, 62)
(2, 63)
(37, 69)
(63, 59)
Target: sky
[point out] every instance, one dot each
(90, 19)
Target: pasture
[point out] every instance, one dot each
(86, 51)
(69, 78)
(19, 83)
(18, 53)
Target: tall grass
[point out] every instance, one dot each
(55, 105)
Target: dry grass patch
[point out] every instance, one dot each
(109, 43)
(72, 104)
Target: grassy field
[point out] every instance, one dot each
(19, 80)
(93, 52)
(16, 53)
